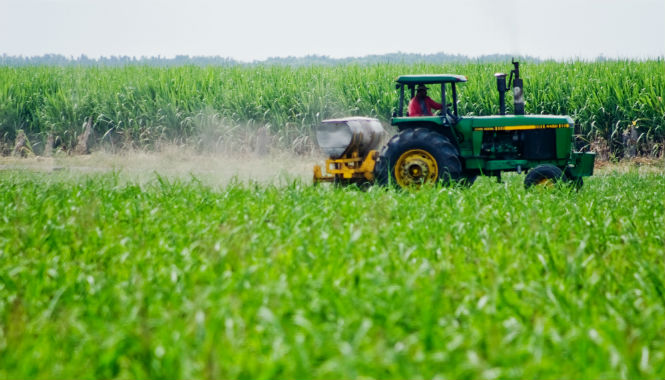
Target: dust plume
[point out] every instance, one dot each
(173, 162)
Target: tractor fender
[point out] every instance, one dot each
(444, 130)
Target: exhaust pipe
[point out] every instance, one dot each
(518, 89)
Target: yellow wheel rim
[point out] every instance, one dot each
(545, 182)
(415, 167)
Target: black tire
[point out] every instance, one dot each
(469, 179)
(424, 156)
(543, 175)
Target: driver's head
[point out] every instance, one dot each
(421, 90)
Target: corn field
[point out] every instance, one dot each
(141, 106)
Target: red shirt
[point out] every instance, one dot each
(415, 109)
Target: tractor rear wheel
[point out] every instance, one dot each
(543, 175)
(418, 156)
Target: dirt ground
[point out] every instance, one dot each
(220, 168)
(213, 168)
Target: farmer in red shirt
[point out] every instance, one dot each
(421, 104)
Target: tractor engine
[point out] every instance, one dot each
(536, 144)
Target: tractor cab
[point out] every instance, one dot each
(443, 87)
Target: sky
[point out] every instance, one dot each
(248, 30)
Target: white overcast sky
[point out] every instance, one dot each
(257, 29)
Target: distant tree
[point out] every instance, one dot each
(308, 60)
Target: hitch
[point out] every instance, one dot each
(351, 168)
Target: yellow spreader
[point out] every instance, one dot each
(353, 169)
(349, 144)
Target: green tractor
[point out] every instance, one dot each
(447, 148)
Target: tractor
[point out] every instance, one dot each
(448, 148)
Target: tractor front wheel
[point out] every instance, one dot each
(543, 175)
(418, 156)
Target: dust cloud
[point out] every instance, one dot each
(181, 163)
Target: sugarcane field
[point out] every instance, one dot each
(394, 216)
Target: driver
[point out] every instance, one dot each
(421, 104)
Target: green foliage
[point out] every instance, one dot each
(100, 278)
(142, 104)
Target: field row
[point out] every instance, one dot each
(142, 106)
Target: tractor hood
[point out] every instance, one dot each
(521, 122)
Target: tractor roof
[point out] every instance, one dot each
(430, 78)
